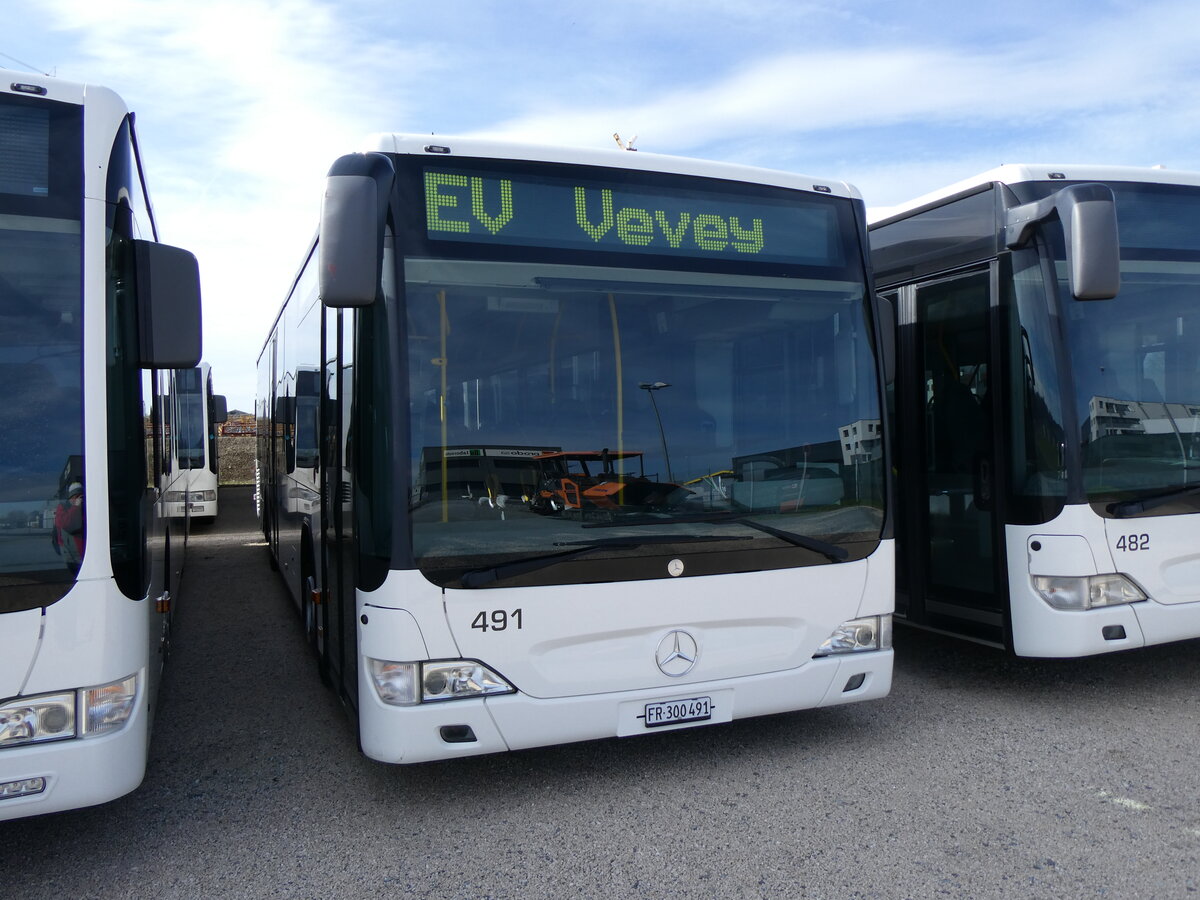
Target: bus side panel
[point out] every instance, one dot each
(79, 773)
(92, 636)
(1038, 629)
(1161, 554)
(573, 640)
(21, 632)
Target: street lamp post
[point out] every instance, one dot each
(650, 388)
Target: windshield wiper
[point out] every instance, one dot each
(486, 576)
(832, 552)
(1127, 508)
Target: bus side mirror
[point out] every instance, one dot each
(1088, 213)
(220, 409)
(167, 286)
(353, 215)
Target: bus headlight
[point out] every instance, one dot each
(458, 679)
(201, 496)
(395, 682)
(107, 708)
(31, 720)
(858, 636)
(1086, 591)
(411, 683)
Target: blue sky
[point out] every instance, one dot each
(243, 104)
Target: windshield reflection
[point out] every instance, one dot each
(1137, 372)
(40, 406)
(553, 398)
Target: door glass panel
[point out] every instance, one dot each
(892, 308)
(954, 352)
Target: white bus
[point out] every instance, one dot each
(96, 314)
(1048, 386)
(196, 415)
(583, 464)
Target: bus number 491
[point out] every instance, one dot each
(496, 620)
(1131, 542)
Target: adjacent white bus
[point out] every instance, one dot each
(564, 444)
(96, 315)
(1049, 391)
(196, 418)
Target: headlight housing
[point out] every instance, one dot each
(34, 720)
(87, 712)
(412, 683)
(1087, 591)
(107, 708)
(858, 636)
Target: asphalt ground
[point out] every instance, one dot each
(980, 776)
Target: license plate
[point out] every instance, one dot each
(676, 712)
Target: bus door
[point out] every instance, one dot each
(892, 307)
(338, 646)
(270, 478)
(154, 574)
(179, 481)
(948, 531)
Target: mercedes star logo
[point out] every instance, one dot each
(676, 654)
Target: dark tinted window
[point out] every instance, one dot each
(954, 233)
(134, 451)
(41, 320)
(191, 430)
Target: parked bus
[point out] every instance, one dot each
(1048, 385)
(197, 414)
(96, 315)
(484, 320)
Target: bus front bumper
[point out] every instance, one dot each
(73, 773)
(451, 729)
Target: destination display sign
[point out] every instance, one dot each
(516, 208)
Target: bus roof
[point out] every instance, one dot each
(1023, 173)
(421, 144)
(31, 84)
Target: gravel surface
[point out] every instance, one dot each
(236, 453)
(981, 776)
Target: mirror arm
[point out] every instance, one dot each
(1089, 221)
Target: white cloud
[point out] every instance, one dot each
(827, 90)
(243, 104)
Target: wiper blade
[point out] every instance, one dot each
(482, 577)
(1126, 508)
(832, 552)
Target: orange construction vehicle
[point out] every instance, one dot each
(567, 484)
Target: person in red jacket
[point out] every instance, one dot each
(68, 527)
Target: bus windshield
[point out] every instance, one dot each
(41, 419)
(738, 414)
(1136, 359)
(191, 425)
